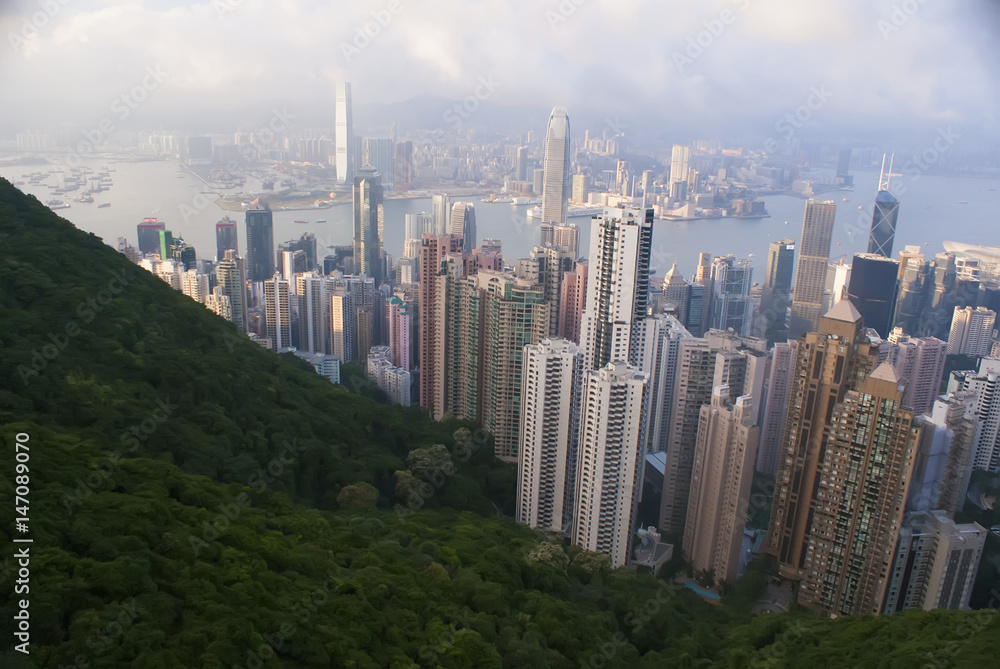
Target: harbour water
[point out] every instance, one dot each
(932, 209)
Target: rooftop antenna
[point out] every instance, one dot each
(883, 179)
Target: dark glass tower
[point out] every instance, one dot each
(260, 243)
(148, 233)
(369, 221)
(873, 290)
(884, 217)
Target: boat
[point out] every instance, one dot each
(321, 220)
(517, 201)
(587, 211)
(301, 222)
(963, 202)
(86, 199)
(860, 207)
(844, 200)
(103, 205)
(57, 204)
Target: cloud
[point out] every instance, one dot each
(232, 59)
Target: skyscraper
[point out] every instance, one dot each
(313, 302)
(344, 135)
(873, 288)
(571, 302)
(278, 313)
(886, 211)
(828, 363)
(919, 364)
(566, 236)
(720, 485)
(550, 415)
(148, 234)
(400, 325)
(609, 457)
(985, 384)
(404, 163)
(433, 310)
(463, 223)
(660, 359)
(226, 237)
(260, 243)
(441, 214)
(775, 409)
(936, 562)
(231, 277)
(580, 191)
(515, 314)
(556, 189)
(380, 153)
(617, 285)
(521, 166)
(554, 263)
(776, 296)
(369, 222)
(343, 324)
(814, 256)
(218, 303)
(944, 458)
(972, 332)
(868, 446)
(679, 158)
(732, 306)
(677, 291)
(703, 364)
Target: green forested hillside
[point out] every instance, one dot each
(196, 501)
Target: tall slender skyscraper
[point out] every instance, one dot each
(775, 409)
(226, 238)
(556, 189)
(231, 277)
(679, 158)
(610, 454)
(814, 258)
(278, 313)
(463, 222)
(433, 316)
(369, 223)
(550, 418)
(869, 447)
(260, 243)
(617, 285)
(720, 485)
(777, 292)
(314, 312)
(440, 213)
(886, 211)
(344, 135)
(572, 296)
(732, 306)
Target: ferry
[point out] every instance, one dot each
(573, 212)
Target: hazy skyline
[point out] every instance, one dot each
(882, 66)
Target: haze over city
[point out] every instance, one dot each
(673, 69)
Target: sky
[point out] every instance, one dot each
(848, 67)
